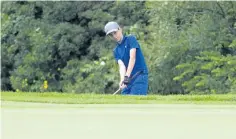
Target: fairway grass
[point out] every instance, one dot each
(69, 98)
(26, 120)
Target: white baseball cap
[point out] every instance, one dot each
(111, 27)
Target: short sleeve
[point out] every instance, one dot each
(116, 56)
(133, 43)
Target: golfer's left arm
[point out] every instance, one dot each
(132, 60)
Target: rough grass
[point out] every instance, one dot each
(69, 98)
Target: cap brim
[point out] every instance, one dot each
(110, 31)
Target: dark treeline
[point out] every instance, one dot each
(190, 47)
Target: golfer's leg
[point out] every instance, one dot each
(126, 91)
(140, 85)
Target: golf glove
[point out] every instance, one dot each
(126, 80)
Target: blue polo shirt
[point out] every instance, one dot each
(122, 52)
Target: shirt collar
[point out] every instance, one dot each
(123, 39)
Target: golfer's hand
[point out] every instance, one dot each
(126, 80)
(122, 85)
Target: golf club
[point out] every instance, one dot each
(135, 75)
(116, 91)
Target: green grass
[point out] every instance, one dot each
(65, 98)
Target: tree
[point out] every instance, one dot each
(193, 36)
(43, 40)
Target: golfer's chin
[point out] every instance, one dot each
(118, 40)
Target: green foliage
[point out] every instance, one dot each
(41, 41)
(196, 37)
(90, 77)
(189, 47)
(215, 73)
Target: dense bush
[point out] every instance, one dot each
(190, 47)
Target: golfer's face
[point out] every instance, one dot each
(116, 35)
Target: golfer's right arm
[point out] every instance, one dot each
(122, 70)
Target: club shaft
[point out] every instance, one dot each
(116, 91)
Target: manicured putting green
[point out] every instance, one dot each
(24, 120)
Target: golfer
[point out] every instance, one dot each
(129, 56)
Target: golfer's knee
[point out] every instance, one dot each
(139, 91)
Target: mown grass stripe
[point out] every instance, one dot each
(69, 98)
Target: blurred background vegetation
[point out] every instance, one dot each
(189, 47)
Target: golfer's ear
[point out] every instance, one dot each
(121, 27)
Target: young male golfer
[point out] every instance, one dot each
(129, 56)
